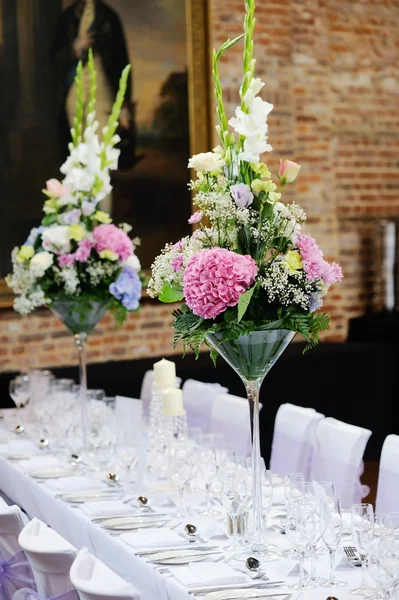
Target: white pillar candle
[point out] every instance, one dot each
(172, 402)
(165, 373)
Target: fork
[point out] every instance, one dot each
(351, 554)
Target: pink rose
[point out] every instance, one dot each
(288, 171)
(55, 188)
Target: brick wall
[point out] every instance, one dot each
(331, 70)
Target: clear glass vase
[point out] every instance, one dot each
(252, 356)
(81, 315)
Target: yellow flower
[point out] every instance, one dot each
(109, 254)
(50, 206)
(76, 232)
(274, 196)
(102, 217)
(259, 186)
(25, 253)
(294, 261)
(260, 169)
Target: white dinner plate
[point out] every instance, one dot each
(54, 473)
(128, 523)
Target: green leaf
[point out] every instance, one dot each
(49, 220)
(228, 44)
(244, 301)
(171, 293)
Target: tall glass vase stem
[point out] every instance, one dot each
(80, 342)
(253, 388)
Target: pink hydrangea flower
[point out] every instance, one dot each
(84, 248)
(177, 263)
(66, 260)
(111, 237)
(215, 279)
(313, 262)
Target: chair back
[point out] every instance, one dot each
(293, 439)
(198, 398)
(12, 521)
(50, 556)
(96, 581)
(338, 457)
(230, 416)
(388, 476)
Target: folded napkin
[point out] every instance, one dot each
(278, 495)
(207, 573)
(19, 446)
(76, 483)
(39, 462)
(153, 537)
(107, 508)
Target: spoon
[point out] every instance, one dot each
(142, 501)
(114, 478)
(191, 532)
(254, 566)
(19, 428)
(44, 443)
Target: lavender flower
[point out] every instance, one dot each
(34, 234)
(88, 207)
(127, 288)
(72, 217)
(242, 195)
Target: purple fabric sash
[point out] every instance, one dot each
(289, 455)
(28, 594)
(15, 572)
(345, 478)
(387, 491)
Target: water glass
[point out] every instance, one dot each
(362, 519)
(234, 495)
(19, 390)
(331, 528)
(300, 530)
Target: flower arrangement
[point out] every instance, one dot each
(77, 251)
(248, 265)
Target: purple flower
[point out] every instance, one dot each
(177, 262)
(35, 232)
(242, 195)
(72, 216)
(88, 207)
(127, 288)
(196, 217)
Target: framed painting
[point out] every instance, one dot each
(165, 118)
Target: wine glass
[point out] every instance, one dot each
(300, 530)
(293, 482)
(208, 470)
(19, 390)
(362, 518)
(182, 468)
(331, 527)
(235, 493)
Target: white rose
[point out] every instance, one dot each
(57, 238)
(206, 162)
(132, 262)
(80, 179)
(40, 262)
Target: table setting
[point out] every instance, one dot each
(193, 528)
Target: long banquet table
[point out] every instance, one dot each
(38, 500)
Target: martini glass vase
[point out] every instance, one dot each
(80, 315)
(252, 356)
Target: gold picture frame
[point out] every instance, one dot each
(198, 61)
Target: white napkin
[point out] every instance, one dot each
(207, 573)
(19, 446)
(278, 495)
(75, 483)
(153, 537)
(107, 508)
(39, 462)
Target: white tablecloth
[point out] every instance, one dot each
(39, 501)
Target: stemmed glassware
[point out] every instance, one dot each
(300, 530)
(362, 519)
(208, 470)
(183, 467)
(331, 526)
(19, 390)
(293, 482)
(235, 493)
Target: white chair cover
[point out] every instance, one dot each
(338, 457)
(96, 581)
(388, 476)
(198, 398)
(12, 521)
(293, 439)
(50, 556)
(230, 416)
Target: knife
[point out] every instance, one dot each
(242, 594)
(257, 585)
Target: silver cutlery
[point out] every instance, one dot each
(352, 555)
(113, 478)
(234, 586)
(241, 594)
(149, 551)
(43, 443)
(19, 429)
(253, 565)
